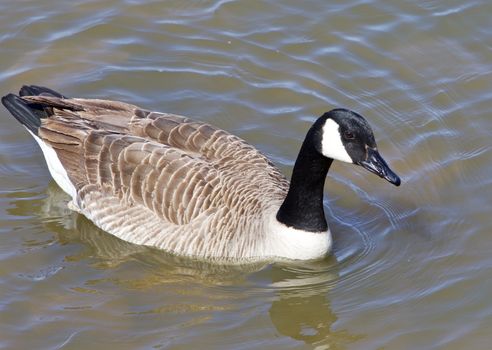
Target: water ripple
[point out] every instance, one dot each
(408, 263)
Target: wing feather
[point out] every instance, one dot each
(151, 177)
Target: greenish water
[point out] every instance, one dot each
(411, 266)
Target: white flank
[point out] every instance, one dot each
(55, 167)
(290, 243)
(331, 143)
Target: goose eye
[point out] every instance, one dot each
(348, 135)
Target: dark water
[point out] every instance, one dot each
(411, 267)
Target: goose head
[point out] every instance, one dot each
(346, 136)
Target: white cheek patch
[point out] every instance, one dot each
(331, 143)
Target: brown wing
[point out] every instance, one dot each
(173, 165)
(197, 139)
(175, 186)
(194, 137)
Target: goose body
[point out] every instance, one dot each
(178, 184)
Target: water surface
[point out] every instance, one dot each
(411, 267)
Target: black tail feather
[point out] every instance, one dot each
(29, 114)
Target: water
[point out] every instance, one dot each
(411, 267)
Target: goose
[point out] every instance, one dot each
(187, 187)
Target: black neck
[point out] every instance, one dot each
(303, 207)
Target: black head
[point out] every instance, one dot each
(348, 137)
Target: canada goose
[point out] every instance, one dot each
(187, 187)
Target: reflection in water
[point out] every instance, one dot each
(302, 309)
(300, 306)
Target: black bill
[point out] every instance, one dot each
(376, 164)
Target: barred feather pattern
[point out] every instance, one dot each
(165, 180)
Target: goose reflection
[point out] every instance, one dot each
(302, 309)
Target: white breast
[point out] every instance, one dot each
(290, 243)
